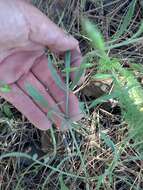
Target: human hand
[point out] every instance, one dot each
(24, 34)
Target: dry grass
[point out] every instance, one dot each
(80, 158)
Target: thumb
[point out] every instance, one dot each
(45, 32)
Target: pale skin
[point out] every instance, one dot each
(24, 34)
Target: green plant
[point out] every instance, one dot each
(126, 87)
(88, 155)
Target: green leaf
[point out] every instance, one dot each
(55, 169)
(7, 111)
(108, 141)
(83, 66)
(78, 75)
(137, 67)
(39, 98)
(126, 20)
(63, 186)
(35, 156)
(139, 32)
(130, 111)
(46, 160)
(36, 95)
(124, 43)
(5, 88)
(67, 66)
(55, 75)
(103, 99)
(79, 72)
(102, 76)
(100, 182)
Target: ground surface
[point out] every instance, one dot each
(81, 158)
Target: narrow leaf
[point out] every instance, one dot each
(103, 99)
(36, 95)
(55, 75)
(126, 20)
(78, 75)
(7, 111)
(67, 66)
(5, 88)
(108, 141)
(102, 76)
(63, 186)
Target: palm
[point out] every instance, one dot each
(25, 32)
